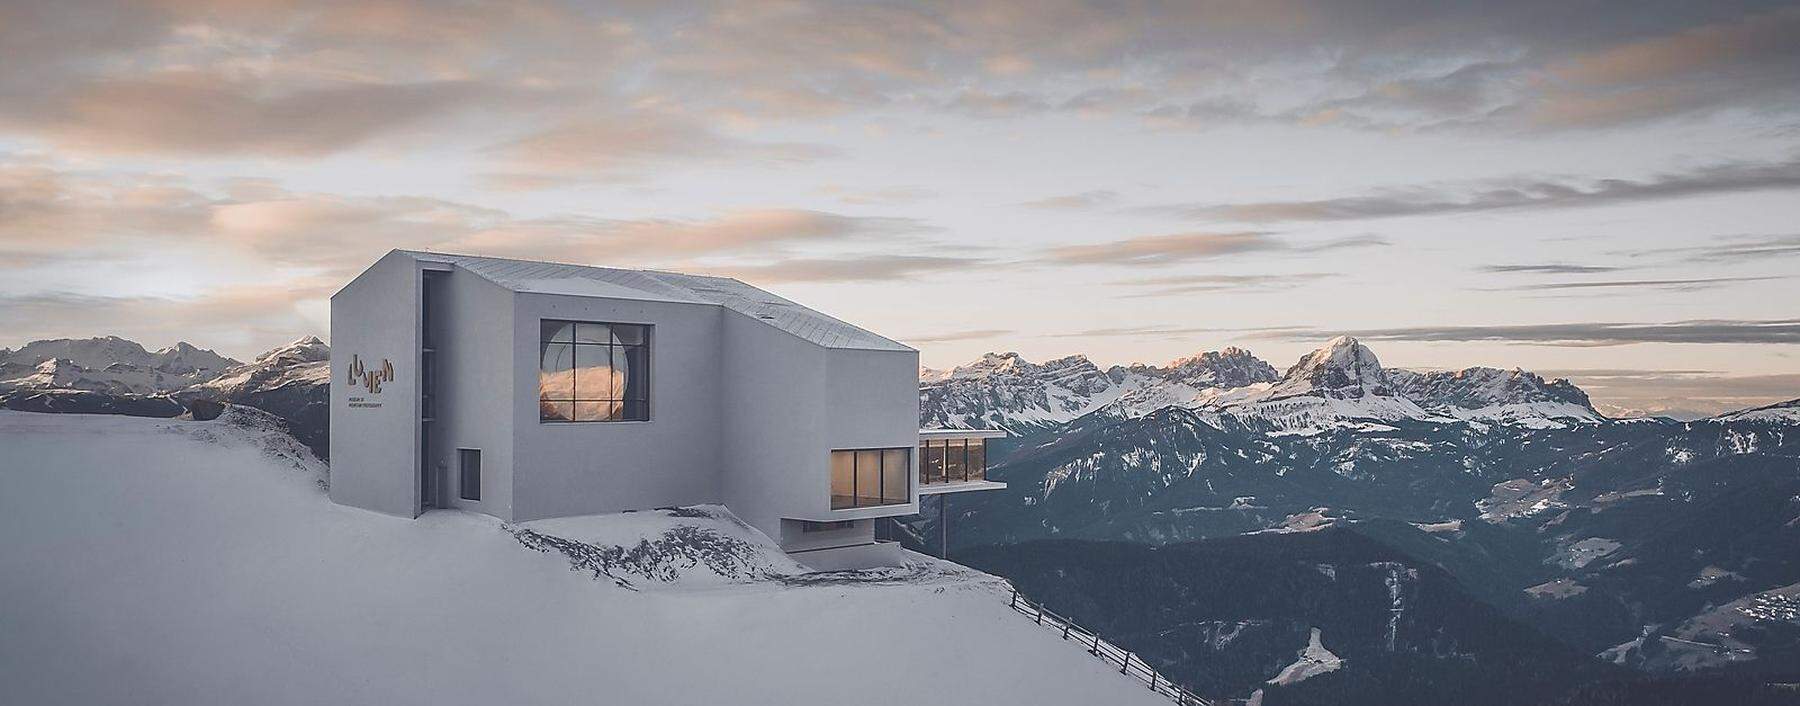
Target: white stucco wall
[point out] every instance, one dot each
(374, 449)
(774, 424)
(789, 403)
(583, 468)
(475, 390)
(742, 413)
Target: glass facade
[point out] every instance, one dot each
(952, 461)
(870, 477)
(593, 372)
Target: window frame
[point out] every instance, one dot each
(462, 474)
(961, 448)
(856, 453)
(645, 364)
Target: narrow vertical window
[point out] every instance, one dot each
(468, 462)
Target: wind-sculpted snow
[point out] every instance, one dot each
(699, 545)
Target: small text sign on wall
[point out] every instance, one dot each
(368, 378)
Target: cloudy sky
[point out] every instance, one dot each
(1606, 191)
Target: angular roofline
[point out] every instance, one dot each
(730, 293)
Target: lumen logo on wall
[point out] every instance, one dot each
(369, 378)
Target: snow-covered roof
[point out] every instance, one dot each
(653, 285)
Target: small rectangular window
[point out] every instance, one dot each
(469, 463)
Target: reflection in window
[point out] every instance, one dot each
(593, 372)
(931, 469)
(870, 477)
(952, 460)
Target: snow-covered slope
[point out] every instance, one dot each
(303, 362)
(1779, 413)
(155, 561)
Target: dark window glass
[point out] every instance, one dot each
(469, 462)
(594, 372)
(977, 459)
(629, 335)
(931, 467)
(558, 332)
(953, 460)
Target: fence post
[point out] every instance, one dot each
(1126, 665)
(1065, 628)
(1015, 599)
(1153, 676)
(1095, 650)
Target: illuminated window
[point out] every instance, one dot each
(870, 477)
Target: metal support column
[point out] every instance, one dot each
(944, 526)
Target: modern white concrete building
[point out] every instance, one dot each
(527, 390)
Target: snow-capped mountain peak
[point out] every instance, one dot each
(1343, 369)
(1224, 369)
(107, 364)
(187, 359)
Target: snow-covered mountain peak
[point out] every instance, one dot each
(1343, 369)
(187, 359)
(101, 353)
(1224, 369)
(1006, 391)
(305, 350)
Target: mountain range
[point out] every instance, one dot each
(112, 375)
(1334, 532)
(1659, 546)
(1342, 381)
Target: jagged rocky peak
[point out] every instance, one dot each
(1011, 364)
(1232, 367)
(1223, 369)
(1477, 387)
(1344, 369)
